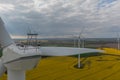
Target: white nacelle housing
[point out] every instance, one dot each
(16, 59)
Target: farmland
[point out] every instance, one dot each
(66, 42)
(101, 67)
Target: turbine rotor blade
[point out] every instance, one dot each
(5, 39)
(65, 51)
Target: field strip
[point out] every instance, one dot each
(82, 72)
(104, 73)
(105, 67)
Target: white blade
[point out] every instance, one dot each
(2, 68)
(65, 51)
(5, 39)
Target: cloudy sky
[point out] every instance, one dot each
(56, 18)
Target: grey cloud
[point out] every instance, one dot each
(61, 17)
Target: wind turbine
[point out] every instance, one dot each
(118, 41)
(16, 61)
(74, 40)
(80, 43)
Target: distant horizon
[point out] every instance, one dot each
(69, 38)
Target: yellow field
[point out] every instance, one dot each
(112, 51)
(105, 67)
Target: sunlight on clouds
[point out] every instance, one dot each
(111, 13)
(88, 9)
(6, 7)
(18, 37)
(62, 16)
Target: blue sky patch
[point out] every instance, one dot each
(103, 3)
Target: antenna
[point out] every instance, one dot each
(32, 37)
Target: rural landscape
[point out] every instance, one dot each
(59, 39)
(96, 66)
